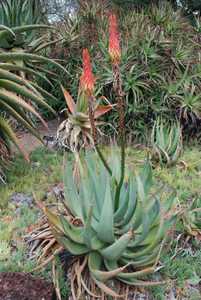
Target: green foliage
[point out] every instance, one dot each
(191, 218)
(166, 143)
(20, 97)
(114, 232)
(74, 133)
(22, 12)
(44, 172)
(4, 250)
(160, 65)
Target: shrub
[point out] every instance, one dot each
(159, 48)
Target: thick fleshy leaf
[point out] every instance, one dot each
(13, 98)
(12, 136)
(69, 100)
(29, 57)
(95, 261)
(12, 67)
(20, 118)
(105, 228)
(101, 110)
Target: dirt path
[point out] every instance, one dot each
(30, 143)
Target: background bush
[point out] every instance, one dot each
(161, 63)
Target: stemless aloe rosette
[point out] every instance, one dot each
(166, 143)
(120, 241)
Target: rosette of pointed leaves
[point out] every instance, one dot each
(75, 132)
(120, 239)
(191, 218)
(19, 21)
(166, 143)
(22, 35)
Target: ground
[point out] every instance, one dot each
(30, 142)
(22, 286)
(180, 261)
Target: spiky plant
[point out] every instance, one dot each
(191, 218)
(75, 132)
(113, 225)
(21, 34)
(166, 143)
(21, 12)
(20, 96)
(20, 21)
(120, 235)
(20, 99)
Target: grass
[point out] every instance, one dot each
(44, 170)
(181, 263)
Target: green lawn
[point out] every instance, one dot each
(181, 263)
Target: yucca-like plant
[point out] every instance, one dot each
(166, 143)
(74, 133)
(191, 218)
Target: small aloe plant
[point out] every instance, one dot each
(74, 133)
(191, 218)
(166, 143)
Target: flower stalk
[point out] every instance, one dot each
(87, 85)
(115, 56)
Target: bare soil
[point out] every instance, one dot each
(23, 286)
(30, 143)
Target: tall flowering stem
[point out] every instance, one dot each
(87, 79)
(114, 45)
(115, 56)
(87, 85)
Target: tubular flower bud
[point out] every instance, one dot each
(114, 44)
(87, 79)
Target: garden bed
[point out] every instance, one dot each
(181, 264)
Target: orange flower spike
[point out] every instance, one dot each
(87, 79)
(114, 41)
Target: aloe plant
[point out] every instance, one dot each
(191, 218)
(121, 241)
(166, 143)
(20, 96)
(21, 12)
(112, 221)
(74, 133)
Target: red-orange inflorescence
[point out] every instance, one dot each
(87, 79)
(114, 44)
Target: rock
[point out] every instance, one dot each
(56, 191)
(19, 199)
